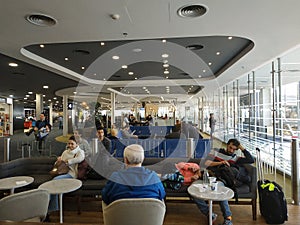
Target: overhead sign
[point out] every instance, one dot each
(70, 105)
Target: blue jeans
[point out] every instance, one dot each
(201, 204)
(53, 204)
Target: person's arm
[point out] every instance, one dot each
(248, 159)
(79, 157)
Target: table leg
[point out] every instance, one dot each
(210, 212)
(60, 208)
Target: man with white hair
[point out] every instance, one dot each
(134, 181)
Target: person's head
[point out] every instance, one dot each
(211, 114)
(114, 132)
(78, 133)
(232, 145)
(72, 143)
(134, 155)
(42, 116)
(100, 132)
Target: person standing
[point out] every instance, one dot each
(135, 181)
(212, 124)
(41, 130)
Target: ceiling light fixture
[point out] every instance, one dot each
(42, 46)
(13, 64)
(115, 57)
(45, 86)
(124, 67)
(165, 55)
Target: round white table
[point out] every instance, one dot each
(223, 193)
(10, 183)
(60, 187)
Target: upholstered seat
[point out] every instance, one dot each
(134, 211)
(29, 205)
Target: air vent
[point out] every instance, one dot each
(82, 52)
(194, 47)
(192, 11)
(41, 20)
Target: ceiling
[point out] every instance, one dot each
(172, 58)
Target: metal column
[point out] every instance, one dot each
(295, 172)
(6, 149)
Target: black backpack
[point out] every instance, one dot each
(228, 175)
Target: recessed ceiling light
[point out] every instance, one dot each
(230, 38)
(218, 53)
(166, 65)
(203, 71)
(195, 47)
(166, 72)
(165, 55)
(164, 41)
(135, 78)
(45, 86)
(25, 98)
(44, 95)
(74, 92)
(124, 67)
(30, 92)
(102, 43)
(115, 57)
(42, 46)
(13, 64)
(82, 67)
(210, 63)
(130, 73)
(199, 76)
(66, 58)
(167, 77)
(165, 61)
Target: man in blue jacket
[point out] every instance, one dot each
(134, 181)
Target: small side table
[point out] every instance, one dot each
(60, 187)
(10, 183)
(223, 193)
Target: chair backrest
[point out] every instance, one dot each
(134, 211)
(29, 205)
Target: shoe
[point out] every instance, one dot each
(27, 133)
(47, 218)
(227, 222)
(213, 217)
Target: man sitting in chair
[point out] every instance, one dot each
(134, 181)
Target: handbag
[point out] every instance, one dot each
(59, 168)
(82, 170)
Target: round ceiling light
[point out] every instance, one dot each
(195, 47)
(41, 20)
(191, 11)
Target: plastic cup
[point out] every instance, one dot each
(211, 180)
(214, 186)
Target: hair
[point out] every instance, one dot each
(134, 154)
(114, 132)
(72, 138)
(235, 142)
(100, 128)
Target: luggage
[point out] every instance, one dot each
(272, 203)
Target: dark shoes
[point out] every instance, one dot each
(47, 218)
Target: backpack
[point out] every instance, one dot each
(228, 175)
(173, 181)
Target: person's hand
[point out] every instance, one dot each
(241, 147)
(226, 163)
(195, 177)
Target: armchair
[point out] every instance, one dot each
(134, 211)
(29, 205)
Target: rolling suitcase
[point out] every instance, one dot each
(272, 203)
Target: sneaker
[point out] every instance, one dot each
(227, 222)
(213, 217)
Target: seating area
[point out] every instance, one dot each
(39, 168)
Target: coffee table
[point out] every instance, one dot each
(60, 187)
(223, 193)
(10, 183)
